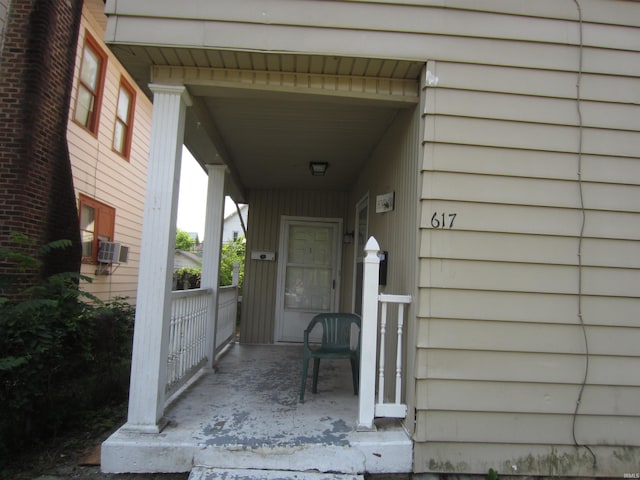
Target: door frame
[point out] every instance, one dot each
(285, 221)
(360, 205)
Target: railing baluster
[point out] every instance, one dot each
(396, 409)
(399, 353)
(383, 336)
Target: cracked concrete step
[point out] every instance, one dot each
(206, 473)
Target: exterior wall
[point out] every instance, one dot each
(103, 174)
(186, 260)
(500, 347)
(392, 168)
(501, 351)
(260, 280)
(36, 67)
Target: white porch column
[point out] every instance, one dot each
(211, 250)
(368, 336)
(153, 310)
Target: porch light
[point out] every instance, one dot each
(318, 169)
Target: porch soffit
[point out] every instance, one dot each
(267, 115)
(213, 81)
(139, 58)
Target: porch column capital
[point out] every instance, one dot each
(216, 169)
(180, 90)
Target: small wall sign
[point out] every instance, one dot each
(384, 202)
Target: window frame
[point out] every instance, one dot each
(128, 125)
(102, 213)
(93, 121)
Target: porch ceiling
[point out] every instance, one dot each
(267, 131)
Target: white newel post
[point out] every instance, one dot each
(211, 250)
(153, 309)
(368, 336)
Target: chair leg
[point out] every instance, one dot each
(316, 367)
(355, 374)
(303, 383)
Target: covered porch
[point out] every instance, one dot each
(245, 414)
(239, 408)
(257, 122)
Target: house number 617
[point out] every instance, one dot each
(443, 220)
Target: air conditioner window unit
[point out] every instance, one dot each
(113, 252)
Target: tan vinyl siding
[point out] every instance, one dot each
(104, 175)
(541, 36)
(392, 168)
(263, 230)
(500, 350)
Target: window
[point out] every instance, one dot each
(90, 84)
(235, 235)
(124, 119)
(97, 223)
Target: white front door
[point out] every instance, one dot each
(308, 274)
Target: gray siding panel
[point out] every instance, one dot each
(498, 293)
(501, 352)
(263, 230)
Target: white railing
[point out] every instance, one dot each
(227, 313)
(192, 334)
(368, 409)
(396, 409)
(187, 335)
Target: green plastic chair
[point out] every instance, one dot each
(336, 343)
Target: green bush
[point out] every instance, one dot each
(62, 352)
(187, 278)
(232, 252)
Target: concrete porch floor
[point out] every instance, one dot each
(246, 415)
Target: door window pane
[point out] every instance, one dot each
(308, 280)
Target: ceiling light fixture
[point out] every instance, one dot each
(318, 169)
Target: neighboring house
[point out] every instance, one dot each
(490, 147)
(195, 238)
(108, 134)
(184, 259)
(37, 46)
(232, 227)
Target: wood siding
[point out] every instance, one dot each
(102, 174)
(266, 207)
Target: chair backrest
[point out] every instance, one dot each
(336, 328)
